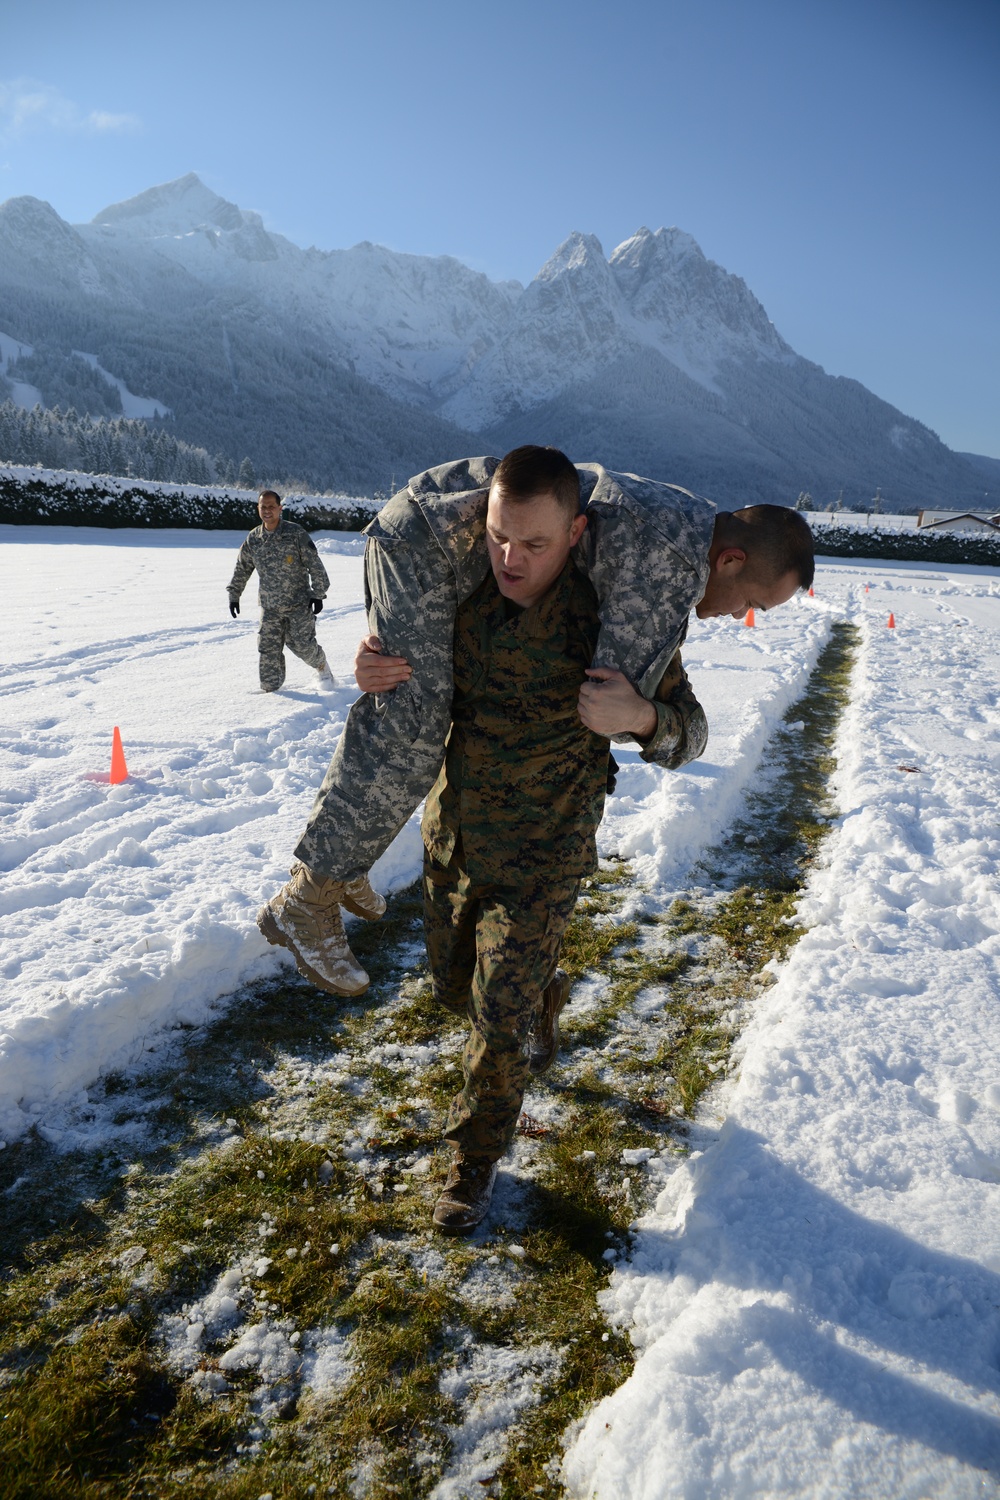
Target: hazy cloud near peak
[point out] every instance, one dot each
(27, 105)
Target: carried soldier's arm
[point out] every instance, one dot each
(670, 726)
(681, 731)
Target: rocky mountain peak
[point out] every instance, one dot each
(37, 243)
(578, 252)
(173, 208)
(31, 216)
(670, 284)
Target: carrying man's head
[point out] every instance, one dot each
(760, 556)
(533, 521)
(269, 509)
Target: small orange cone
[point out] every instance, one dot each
(866, 588)
(892, 621)
(811, 594)
(119, 770)
(750, 619)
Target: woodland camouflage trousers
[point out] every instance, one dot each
(492, 951)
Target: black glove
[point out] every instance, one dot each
(315, 605)
(234, 607)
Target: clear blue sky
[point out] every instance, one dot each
(842, 156)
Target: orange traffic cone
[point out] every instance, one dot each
(119, 770)
(892, 621)
(866, 588)
(811, 594)
(750, 619)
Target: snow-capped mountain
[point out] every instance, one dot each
(582, 313)
(360, 365)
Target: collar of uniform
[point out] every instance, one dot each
(537, 619)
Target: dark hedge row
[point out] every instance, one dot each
(49, 501)
(910, 546)
(89, 501)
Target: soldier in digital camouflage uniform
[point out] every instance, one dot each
(293, 584)
(652, 552)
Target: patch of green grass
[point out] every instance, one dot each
(588, 946)
(757, 924)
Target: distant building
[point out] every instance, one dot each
(949, 520)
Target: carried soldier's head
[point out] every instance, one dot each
(533, 521)
(760, 556)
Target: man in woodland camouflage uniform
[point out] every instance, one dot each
(509, 826)
(652, 552)
(293, 585)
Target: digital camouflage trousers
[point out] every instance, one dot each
(294, 628)
(391, 748)
(492, 950)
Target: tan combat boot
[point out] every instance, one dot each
(304, 917)
(360, 900)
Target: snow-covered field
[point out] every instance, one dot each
(817, 1293)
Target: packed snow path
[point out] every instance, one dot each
(816, 1295)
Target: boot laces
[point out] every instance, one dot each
(321, 918)
(329, 923)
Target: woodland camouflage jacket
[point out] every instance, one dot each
(523, 781)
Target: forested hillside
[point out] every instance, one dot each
(238, 385)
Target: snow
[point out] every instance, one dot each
(814, 1297)
(132, 405)
(129, 908)
(479, 1443)
(26, 396)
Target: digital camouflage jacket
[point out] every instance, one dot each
(288, 567)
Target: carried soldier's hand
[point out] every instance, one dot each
(234, 607)
(315, 605)
(375, 672)
(609, 704)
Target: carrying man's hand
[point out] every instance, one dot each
(377, 673)
(234, 607)
(315, 605)
(609, 704)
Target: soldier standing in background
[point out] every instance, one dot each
(293, 585)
